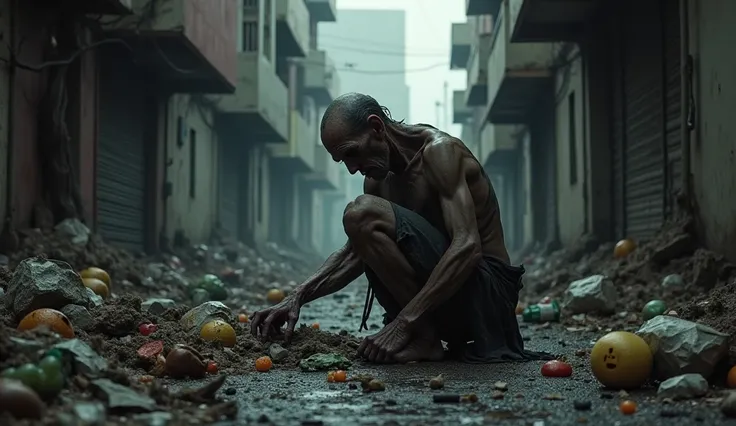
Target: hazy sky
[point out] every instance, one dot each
(427, 46)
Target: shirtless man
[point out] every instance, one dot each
(428, 236)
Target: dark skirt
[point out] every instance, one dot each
(479, 322)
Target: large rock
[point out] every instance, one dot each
(593, 294)
(157, 306)
(204, 313)
(686, 386)
(44, 283)
(680, 346)
(79, 316)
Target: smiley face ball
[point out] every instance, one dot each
(621, 360)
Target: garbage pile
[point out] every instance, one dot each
(91, 334)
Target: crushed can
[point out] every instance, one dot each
(542, 312)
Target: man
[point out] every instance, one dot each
(428, 236)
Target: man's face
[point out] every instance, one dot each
(367, 153)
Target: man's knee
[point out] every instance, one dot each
(364, 215)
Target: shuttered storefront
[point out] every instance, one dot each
(671, 14)
(229, 188)
(121, 156)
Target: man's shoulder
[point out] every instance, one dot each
(446, 151)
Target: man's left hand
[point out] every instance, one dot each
(382, 346)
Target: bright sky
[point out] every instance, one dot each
(427, 44)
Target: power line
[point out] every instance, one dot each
(383, 52)
(405, 71)
(375, 43)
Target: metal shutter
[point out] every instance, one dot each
(617, 131)
(229, 188)
(671, 15)
(643, 115)
(121, 156)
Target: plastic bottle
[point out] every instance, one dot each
(542, 312)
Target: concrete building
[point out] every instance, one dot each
(600, 88)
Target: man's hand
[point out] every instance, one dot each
(382, 346)
(268, 322)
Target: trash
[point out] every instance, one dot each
(151, 350)
(184, 361)
(653, 308)
(90, 413)
(686, 386)
(374, 386)
(157, 306)
(86, 360)
(323, 362)
(214, 286)
(74, 230)
(595, 293)
(44, 283)
(121, 398)
(20, 401)
(50, 318)
(278, 353)
(147, 329)
(680, 346)
(156, 270)
(437, 382)
(541, 313)
(79, 317)
(621, 360)
(501, 386)
(200, 296)
(204, 313)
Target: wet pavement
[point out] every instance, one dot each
(294, 398)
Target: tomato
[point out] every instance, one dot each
(315, 326)
(556, 368)
(151, 350)
(341, 376)
(212, 367)
(264, 364)
(627, 407)
(147, 329)
(243, 318)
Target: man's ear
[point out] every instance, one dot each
(376, 124)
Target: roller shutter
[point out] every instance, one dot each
(618, 141)
(121, 156)
(671, 17)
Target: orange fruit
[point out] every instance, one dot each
(264, 364)
(623, 248)
(55, 320)
(275, 296)
(731, 378)
(98, 286)
(98, 273)
(315, 326)
(340, 376)
(243, 318)
(218, 330)
(627, 407)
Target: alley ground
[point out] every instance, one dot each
(294, 398)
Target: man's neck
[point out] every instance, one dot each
(405, 141)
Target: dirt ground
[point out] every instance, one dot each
(707, 296)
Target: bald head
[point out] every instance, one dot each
(347, 116)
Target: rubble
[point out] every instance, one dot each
(592, 294)
(680, 346)
(204, 313)
(685, 386)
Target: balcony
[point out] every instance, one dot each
(296, 156)
(498, 143)
(292, 28)
(518, 74)
(101, 7)
(476, 92)
(321, 80)
(482, 7)
(550, 20)
(460, 50)
(326, 175)
(259, 108)
(323, 10)
(460, 112)
(190, 45)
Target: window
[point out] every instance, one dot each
(192, 162)
(250, 36)
(572, 135)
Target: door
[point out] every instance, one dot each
(121, 155)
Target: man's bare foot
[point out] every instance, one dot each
(425, 347)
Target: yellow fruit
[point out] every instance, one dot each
(53, 319)
(98, 273)
(624, 248)
(220, 331)
(275, 296)
(621, 360)
(98, 286)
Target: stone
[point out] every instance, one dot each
(74, 230)
(685, 386)
(673, 283)
(679, 246)
(122, 398)
(728, 405)
(157, 418)
(79, 316)
(86, 360)
(277, 352)
(324, 362)
(44, 283)
(175, 279)
(95, 299)
(90, 413)
(204, 313)
(157, 306)
(595, 293)
(2, 292)
(200, 296)
(156, 270)
(680, 346)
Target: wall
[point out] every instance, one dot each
(714, 139)
(256, 201)
(197, 215)
(4, 113)
(571, 207)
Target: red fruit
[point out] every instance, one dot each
(212, 367)
(556, 369)
(147, 329)
(151, 349)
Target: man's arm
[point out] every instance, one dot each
(339, 270)
(445, 167)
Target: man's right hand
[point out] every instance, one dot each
(269, 321)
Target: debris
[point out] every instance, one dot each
(541, 312)
(204, 394)
(97, 286)
(19, 400)
(673, 283)
(556, 368)
(680, 346)
(90, 413)
(728, 406)
(146, 329)
(374, 386)
(121, 398)
(497, 394)
(214, 286)
(74, 230)
(219, 331)
(204, 313)
(184, 361)
(501, 386)
(554, 397)
(686, 386)
(437, 382)
(86, 360)
(264, 364)
(582, 405)
(593, 294)
(55, 320)
(277, 352)
(79, 317)
(678, 246)
(200, 296)
(621, 360)
(44, 283)
(323, 362)
(151, 350)
(157, 306)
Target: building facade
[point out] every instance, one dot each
(623, 105)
